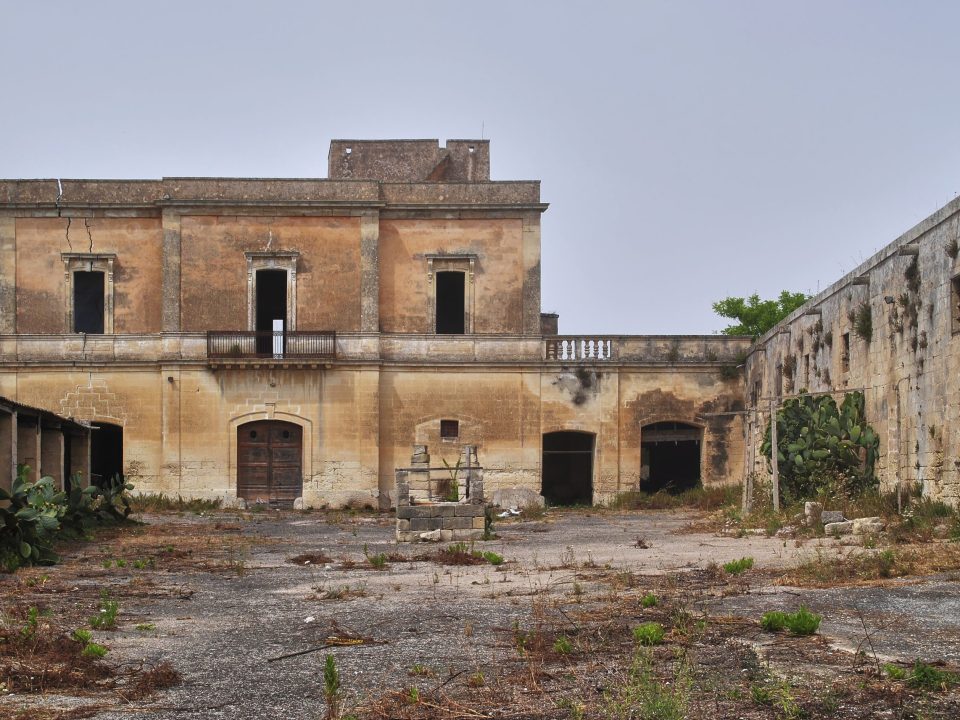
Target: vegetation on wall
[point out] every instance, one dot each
(755, 316)
(861, 318)
(37, 515)
(824, 449)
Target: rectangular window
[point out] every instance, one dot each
(450, 303)
(88, 302)
(778, 380)
(845, 352)
(806, 371)
(955, 304)
(449, 429)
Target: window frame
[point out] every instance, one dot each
(89, 262)
(464, 263)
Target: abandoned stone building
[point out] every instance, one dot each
(294, 339)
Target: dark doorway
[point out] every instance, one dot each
(269, 467)
(670, 456)
(567, 475)
(88, 302)
(271, 304)
(106, 453)
(450, 303)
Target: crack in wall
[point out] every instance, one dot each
(86, 225)
(60, 212)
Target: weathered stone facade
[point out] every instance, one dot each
(890, 328)
(361, 370)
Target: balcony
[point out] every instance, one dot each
(282, 345)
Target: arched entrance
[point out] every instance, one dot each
(567, 469)
(269, 462)
(106, 453)
(670, 456)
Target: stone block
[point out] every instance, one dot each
(404, 511)
(811, 513)
(867, 526)
(447, 535)
(403, 525)
(431, 536)
(424, 524)
(517, 497)
(458, 523)
(479, 523)
(469, 510)
(404, 536)
(831, 516)
(447, 510)
(839, 528)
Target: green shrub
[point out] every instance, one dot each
(94, 650)
(492, 557)
(801, 622)
(649, 600)
(735, 567)
(106, 619)
(649, 633)
(773, 621)
(562, 645)
(924, 676)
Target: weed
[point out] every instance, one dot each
(331, 687)
(649, 600)
(924, 676)
(735, 567)
(413, 695)
(145, 627)
(562, 645)
(378, 561)
(476, 680)
(94, 650)
(773, 621)
(106, 619)
(419, 670)
(894, 672)
(801, 622)
(649, 633)
(492, 557)
(778, 696)
(645, 697)
(158, 502)
(699, 498)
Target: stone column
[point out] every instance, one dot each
(171, 272)
(370, 272)
(531, 273)
(28, 447)
(8, 448)
(419, 486)
(8, 276)
(80, 456)
(51, 454)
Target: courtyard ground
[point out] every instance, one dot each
(213, 609)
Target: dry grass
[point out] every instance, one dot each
(871, 566)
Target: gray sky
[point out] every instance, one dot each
(689, 150)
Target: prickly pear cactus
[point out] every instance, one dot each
(823, 448)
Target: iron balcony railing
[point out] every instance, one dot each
(278, 345)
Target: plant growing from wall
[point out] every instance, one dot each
(952, 248)
(823, 449)
(861, 318)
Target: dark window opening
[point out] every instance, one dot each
(88, 302)
(567, 470)
(845, 353)
(778, 380)
(271, 305)
(450, 303)
(955, 304)
(449, 429)
(669, 456)
(106, 453)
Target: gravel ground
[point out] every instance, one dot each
(224, 624)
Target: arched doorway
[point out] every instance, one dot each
(670, 456)
(269, 462)
(567, 469)
(106, 452)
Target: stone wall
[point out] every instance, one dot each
(908, 366)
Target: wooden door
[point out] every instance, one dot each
(269, 467)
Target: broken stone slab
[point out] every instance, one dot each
(811, 513)
(867, 526)
(298, 503)
(432, 536)
(517, 498)
(831, 516)
(839, 528)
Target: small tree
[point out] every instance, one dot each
(755, 316)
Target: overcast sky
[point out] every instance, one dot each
(689, 150)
